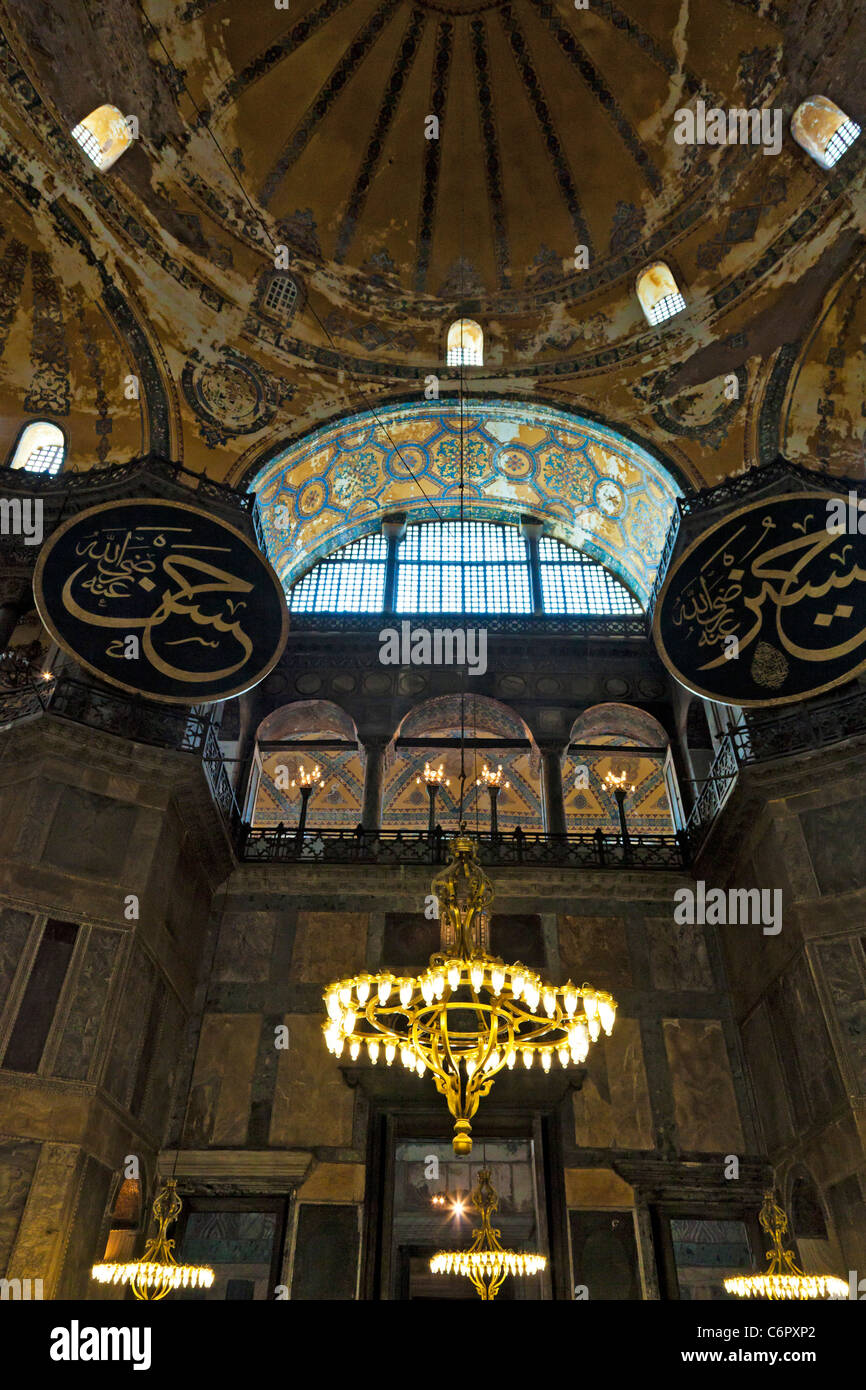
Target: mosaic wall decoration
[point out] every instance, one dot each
(597, 490)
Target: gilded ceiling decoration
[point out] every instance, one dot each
(596, 489)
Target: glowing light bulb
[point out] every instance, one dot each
(420, 1066)
(492, 1061)
(348, 1023)
(549, 1001)
(497, 979)
(333, 1005)
(390, 1052)
(362, 989)
(406, 992)
(454, 973)
(439, 984)
(517, 985)
(345, 994)
(546, 1059)
(383, 990)
(470, 1063)
(338, 1047)
(594, 1029)
(569, 998)
(476, 976)
(563, 1056)
(373, 1051)
(590, 1004)
(527, 1057)
(354, 1049)
(427, 990)
(533, 994)
(606, 1014)
(510, 1058)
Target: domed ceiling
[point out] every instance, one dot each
(307, 127)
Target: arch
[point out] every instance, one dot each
(659, 294)
(594, 488)
(589, 802)
(823, 130)
(104, 135)
(40, 448)
(273, 800)
(464, 345)
(405, 803)
(628, 723)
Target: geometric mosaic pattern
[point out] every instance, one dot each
(597, 491)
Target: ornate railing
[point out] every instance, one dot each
(111, 713)
(763, 738)
(282, 844)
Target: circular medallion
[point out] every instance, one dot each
(515, 463)
(163, 600)
(311, 498)
(769, 605)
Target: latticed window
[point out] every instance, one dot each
(659, 294)
(823, 130)
(350, 581)
(104, 135)
(281, 296)
(40, 448)
(573, 583)
(468, 566)
(465, 346)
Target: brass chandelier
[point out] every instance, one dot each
(468, 1015)
(157, 1272)
(783, 1279)
(485, 1262)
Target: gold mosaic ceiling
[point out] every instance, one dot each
(555, 130)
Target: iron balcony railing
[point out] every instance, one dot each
(587, 850)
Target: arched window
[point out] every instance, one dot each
(352, 580)
(461, 567)
(280, 297)
(823, 130)
(40, 448)
(659, 294)
(465, 347)
(573, 583)
(103, 135)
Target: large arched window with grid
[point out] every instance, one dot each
(461, 567)
(571, 582)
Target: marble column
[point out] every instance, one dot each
(374, 767)
(554, 799)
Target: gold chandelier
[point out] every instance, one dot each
(157, 1272)
(783, 1279)
(485, 1262)
(468, 1015)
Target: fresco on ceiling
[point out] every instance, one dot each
(597, 490)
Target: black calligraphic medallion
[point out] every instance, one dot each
(769, 605)
(163, 600)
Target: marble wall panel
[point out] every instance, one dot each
(678, 955)
(595, 949)
(84, 1018)
(329, 945)
(89, 834)
(705, 1106)
(125, 1045)
(18, 1160)
(771, 1095)
(246, 941)
(223, 1078)
(312, 1103)
(844, 980)
(612, 1109)
(837, 846)
(14, 929)
(804, 1047)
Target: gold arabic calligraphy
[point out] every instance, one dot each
(729, 596)
(118, 565)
